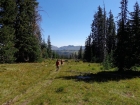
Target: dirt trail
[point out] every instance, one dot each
(32, 92)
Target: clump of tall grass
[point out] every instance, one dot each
(60, 89)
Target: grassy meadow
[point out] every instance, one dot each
(76, 83)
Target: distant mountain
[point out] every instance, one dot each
(69, 47)
(67, 50)
(54, 47)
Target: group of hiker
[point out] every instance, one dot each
(57, 64)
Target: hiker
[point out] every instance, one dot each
(61, 61)
(57, 65)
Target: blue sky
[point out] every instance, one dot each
(68, 22)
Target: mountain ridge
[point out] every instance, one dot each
(69, 47)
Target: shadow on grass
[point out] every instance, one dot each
(103, 76)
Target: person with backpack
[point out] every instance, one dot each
(61, 62)
(57, 65)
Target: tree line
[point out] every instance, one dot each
(115, 45)
(20, 32)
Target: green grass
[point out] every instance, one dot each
(40, 84)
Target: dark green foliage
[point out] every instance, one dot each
(108, 61)
(36, 24)
(135, 34)
(123, 53)
(26, 41)
(111, 33)
(80, 55)
(7, 19)
(55, 55)
(49, 50)
(99, 32)
(44, 50)
(102, 38)
(127, 54)
(104, 45)
(87, 51)
(19, 39)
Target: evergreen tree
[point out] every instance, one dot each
(87, 51)
(122, 37)
(104, 35)
(26, 42)
(7, 38)
(36, 24)
(110, 41)
(44, 50)
(94, 42)
(135, 37)
(98, 36)
(129, 58)
(80, 53)
(49, 47)
(111, 34)
(75, 55)
(53, 54)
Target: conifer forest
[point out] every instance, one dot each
(116, 44)
(112, 42)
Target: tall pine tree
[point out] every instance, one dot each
(122, 38)
(44, 48)
(87, 51)
(111, 33)
(101, 36)
(49, 50)
(80, 53)
(98, 36)
(26, 42)
(135, 37)
(7, 32)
